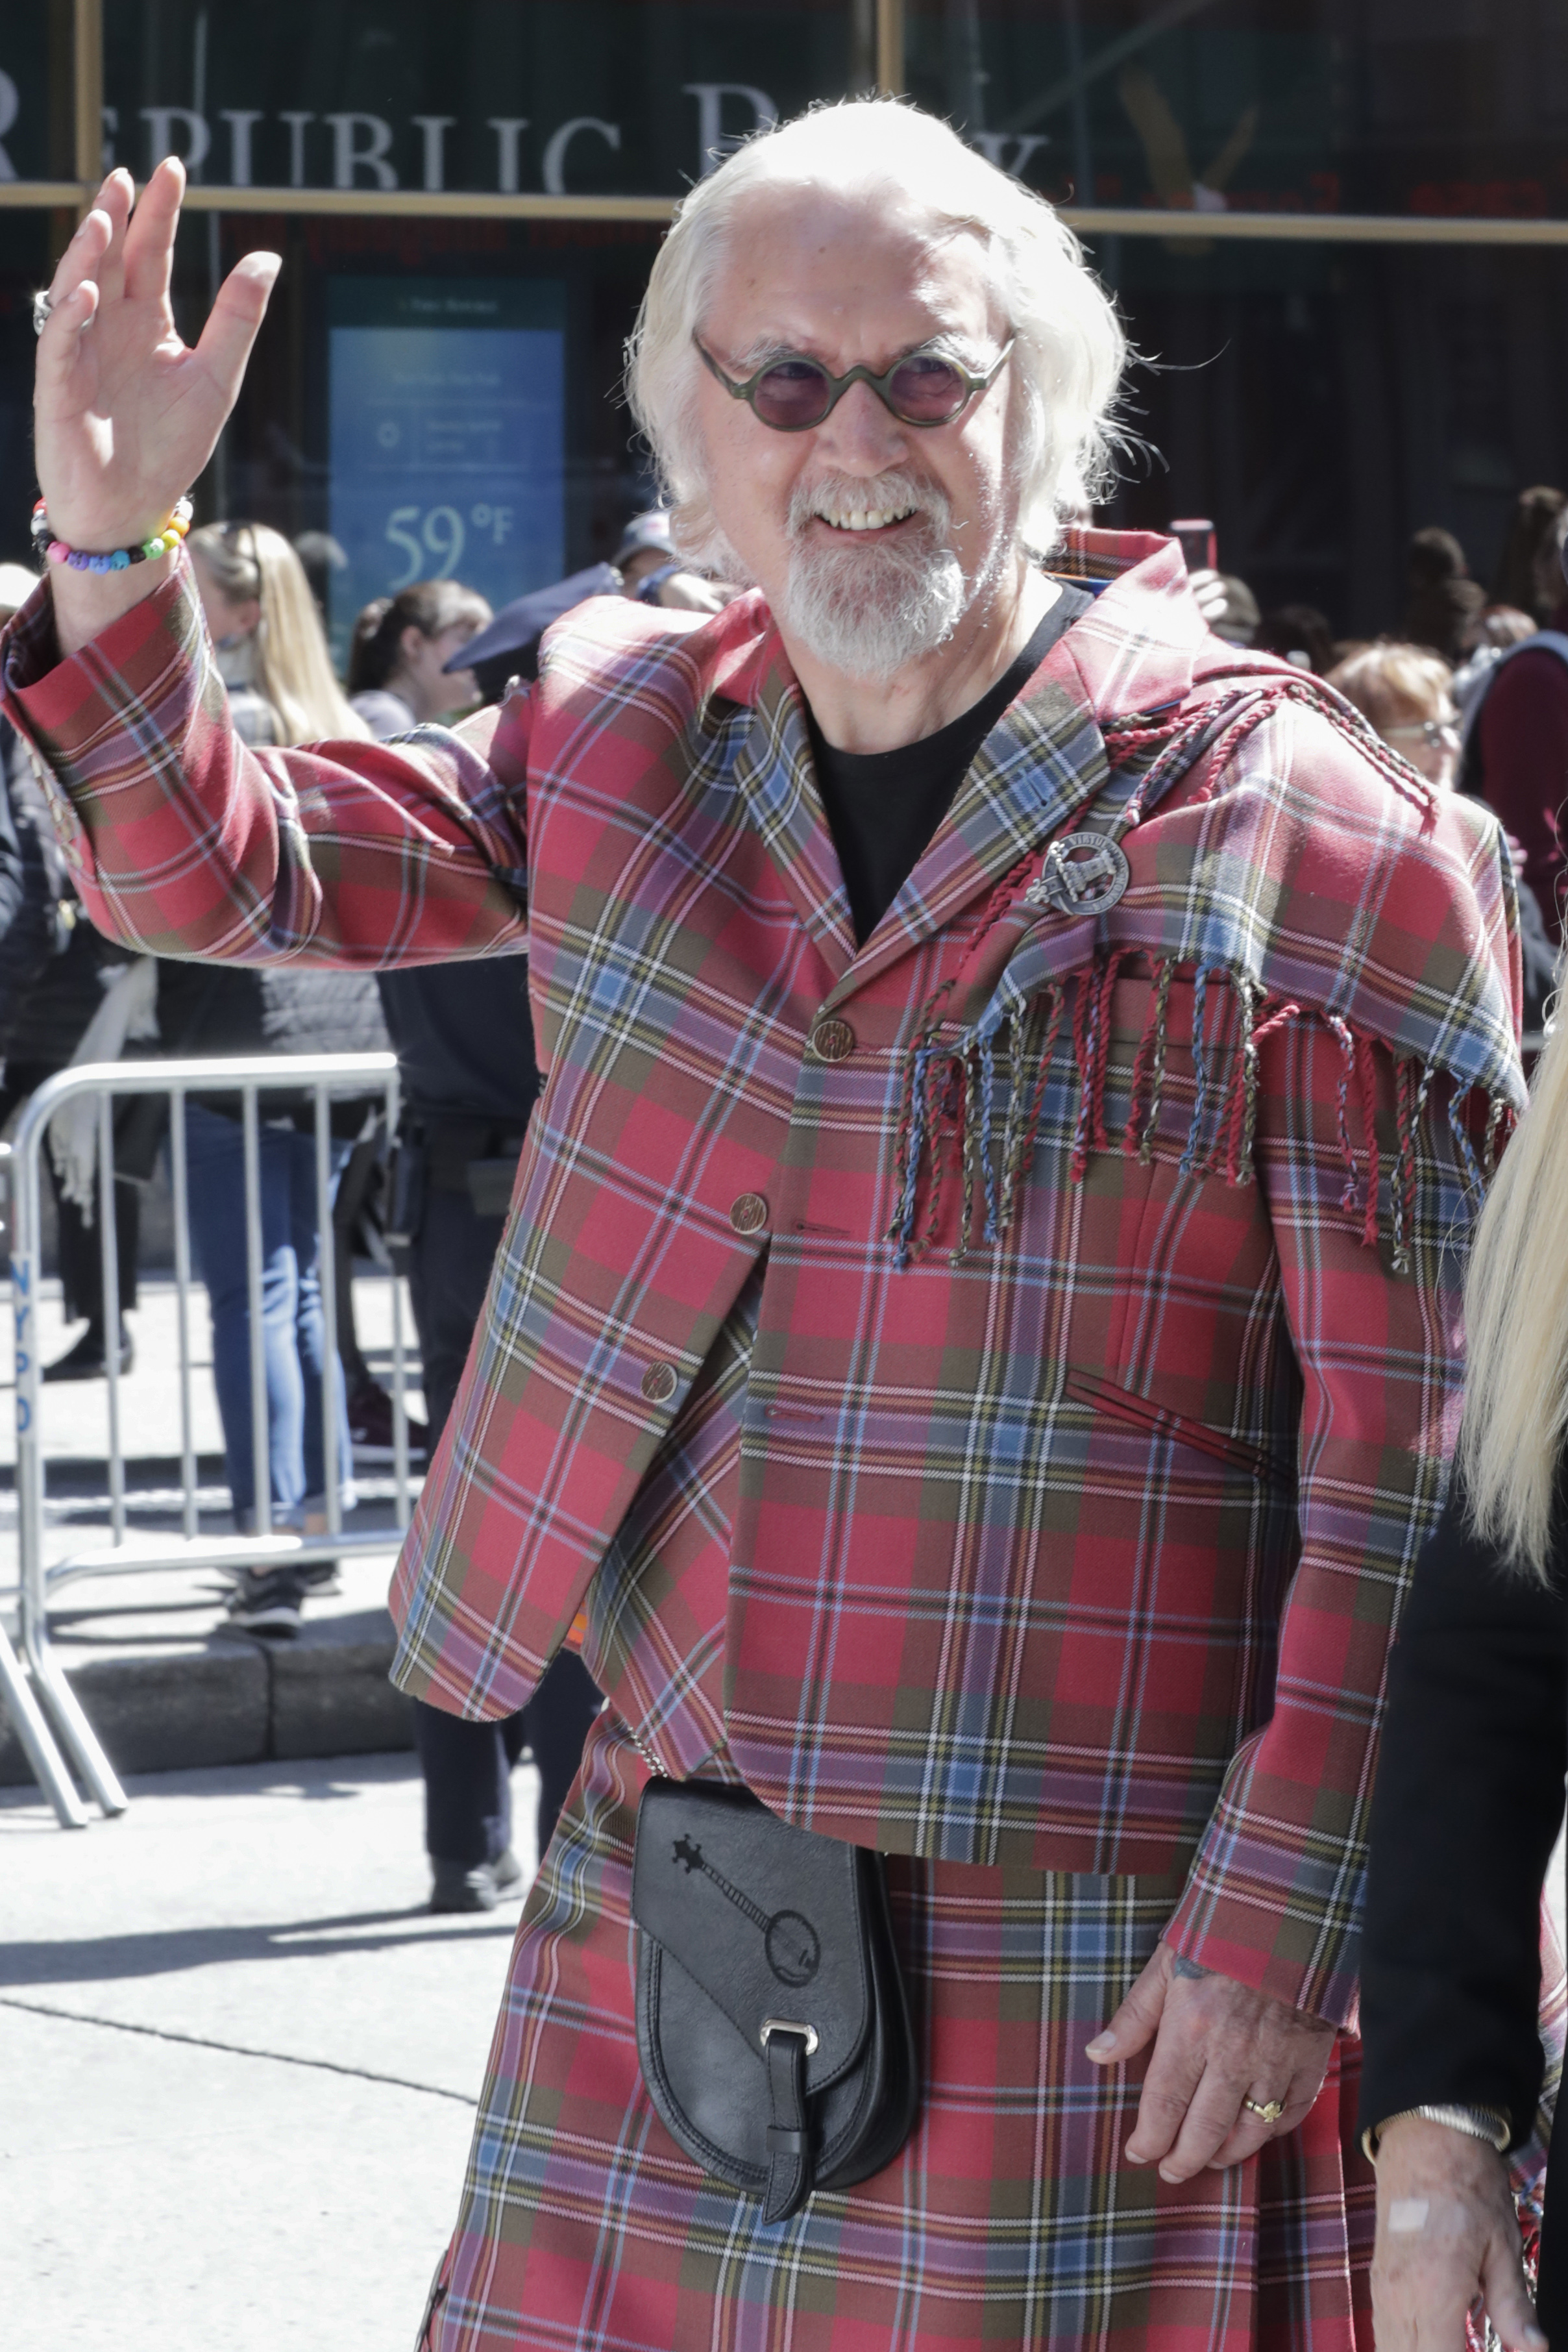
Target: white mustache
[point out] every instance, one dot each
(851, 503)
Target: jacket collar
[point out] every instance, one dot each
(1043, 760)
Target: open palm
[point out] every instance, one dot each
(126, 414)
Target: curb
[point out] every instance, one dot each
(238, 1699)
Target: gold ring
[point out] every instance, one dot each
(1270, 2111)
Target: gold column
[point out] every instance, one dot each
(890, 45)
(89, 96)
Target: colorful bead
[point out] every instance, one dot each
(118, 558)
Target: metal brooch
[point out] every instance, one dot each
(1083, 874)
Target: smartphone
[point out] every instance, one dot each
(1198, 544)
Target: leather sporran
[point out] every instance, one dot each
(772, 2027)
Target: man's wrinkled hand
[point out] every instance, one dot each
(1216, 2044)
(1446, 2234)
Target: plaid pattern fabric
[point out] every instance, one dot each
(1007, 2220)
(1066, 1525)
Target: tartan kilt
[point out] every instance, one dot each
(1011, 2218)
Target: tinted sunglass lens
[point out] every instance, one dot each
(926, 390)
(792, 394)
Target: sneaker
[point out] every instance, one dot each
(457, 1887)
(370, 1426)
(268, 1601)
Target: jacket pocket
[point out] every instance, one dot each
(1158, 1421)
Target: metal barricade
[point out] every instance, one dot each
(45, 1710)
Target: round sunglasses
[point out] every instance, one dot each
(792, 392)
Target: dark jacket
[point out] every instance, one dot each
(1467, 1810)
(33, 887)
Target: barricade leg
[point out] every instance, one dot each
(78, 1734)
(37, 1743)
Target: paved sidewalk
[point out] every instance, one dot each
(238, 2061)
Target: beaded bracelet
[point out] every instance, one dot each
(163, 543)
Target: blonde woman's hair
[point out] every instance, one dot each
(1392, 683)
(293, 669)
(1068, 349)
(1516, 1320)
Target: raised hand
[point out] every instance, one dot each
(126, 416)
(1218, 2046)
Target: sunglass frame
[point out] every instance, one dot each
(974, 386)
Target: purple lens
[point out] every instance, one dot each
(793, 393)
(926, 391)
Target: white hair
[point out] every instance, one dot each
(1068, 348)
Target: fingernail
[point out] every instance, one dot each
(1103, 2046)
(1135, 2159)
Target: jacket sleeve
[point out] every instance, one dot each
(182, 841)
(1467, 1807)
(1274, 1895)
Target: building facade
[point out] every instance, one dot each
(1338, 230)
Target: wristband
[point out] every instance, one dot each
(46, 546)
(1477, 2123)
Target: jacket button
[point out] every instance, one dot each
(749, 1215)
(832, 1041)
(659, 1383)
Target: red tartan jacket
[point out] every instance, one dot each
(1108, 1262)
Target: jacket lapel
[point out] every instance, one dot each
(774, 776)
(1043, 762)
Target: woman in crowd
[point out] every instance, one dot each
(274, 659)
(397, 674)
(1406, 692)
(1469, 1802)
(266, 637)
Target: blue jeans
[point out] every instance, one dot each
(292, 1325)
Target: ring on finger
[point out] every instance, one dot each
(1268, 2110)
(43, 304)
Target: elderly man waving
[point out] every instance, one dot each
(977, 1322)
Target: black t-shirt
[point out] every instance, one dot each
(883, 807)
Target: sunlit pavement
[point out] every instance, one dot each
(237, 2062)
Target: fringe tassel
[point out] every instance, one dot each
(951, 1101)
(1189, 1160)
(1157, 1059)
(1366, 1077)
(1347, 1057)
(1099, 1139)
(1018, 1147)
(1461, 1136)
(1409, 1104)
(1242, 1124)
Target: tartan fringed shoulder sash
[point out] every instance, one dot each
(1075, 1479)
(1032, 982)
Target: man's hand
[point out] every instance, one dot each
(1216, 2044)
(1446, 2233)
(125, 414)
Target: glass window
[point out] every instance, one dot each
(1302, 106)
(553, 96)
(429, 398)
(37, 109)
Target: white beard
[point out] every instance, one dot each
(870, 611)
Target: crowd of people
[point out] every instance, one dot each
(939, 1412)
